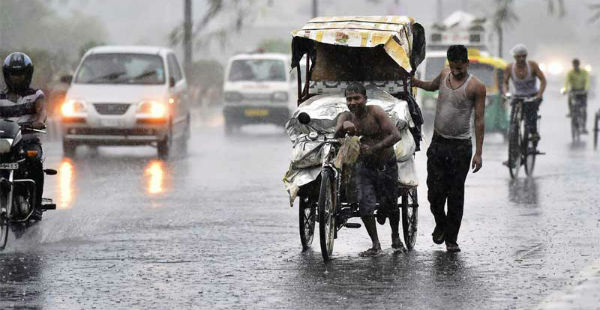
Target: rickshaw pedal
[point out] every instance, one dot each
(352, 225)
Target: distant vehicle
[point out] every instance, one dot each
(258, 88)
(429, 69)
(127, 95)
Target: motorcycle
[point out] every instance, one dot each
(17, 189)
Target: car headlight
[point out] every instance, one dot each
(232, 96)
(5, 145)
(72, 108)
(280, 96)
(155, 109)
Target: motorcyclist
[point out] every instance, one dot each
(25, 105)
(578, 80)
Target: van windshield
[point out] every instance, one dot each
(120, 68)
(257, 70)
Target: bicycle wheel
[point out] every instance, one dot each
(410, 217)
(307, 213)
(514, 143)
(575, 125)
(596, 130)
(327, 214)
(529, 151)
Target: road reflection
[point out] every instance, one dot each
(523, 191)
(66, 174)
(155, 177)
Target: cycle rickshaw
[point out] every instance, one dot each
(328, 53)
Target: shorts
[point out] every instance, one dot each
(376, 184)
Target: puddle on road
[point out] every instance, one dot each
(66, 174)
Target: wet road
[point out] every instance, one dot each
(214, 230)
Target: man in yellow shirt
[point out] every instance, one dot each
(578, 81)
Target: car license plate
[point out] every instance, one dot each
(9, 166)
(111, 123)
(256, 112)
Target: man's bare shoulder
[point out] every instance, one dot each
(376, 110)
(475, 86)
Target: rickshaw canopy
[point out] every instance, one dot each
(374, 43)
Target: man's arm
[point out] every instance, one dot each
(540, 75)
(428, 85)
(339, 127)
(479, 96)
(40, 111)
(507, 74)
(391, 135)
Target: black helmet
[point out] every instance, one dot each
(17, 63)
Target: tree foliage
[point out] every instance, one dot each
(53, 42)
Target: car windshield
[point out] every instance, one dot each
(433, 67)
(121, 69)
(257, 70)
(485, 73)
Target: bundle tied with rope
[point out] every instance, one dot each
(349, 151)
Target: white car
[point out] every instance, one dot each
(126, 95)
(258, 88)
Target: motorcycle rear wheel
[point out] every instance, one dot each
(3, 230)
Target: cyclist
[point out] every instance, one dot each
(578, 80)
(524, 75)
(22, 104)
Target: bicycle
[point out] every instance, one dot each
(577, 107)
(522, 146)
(596, 129)
(323, 201)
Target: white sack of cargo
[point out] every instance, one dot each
(307, 155)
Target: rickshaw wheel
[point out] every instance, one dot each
(307, 213)
(327, 226)
(410, 216)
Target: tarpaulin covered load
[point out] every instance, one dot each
(307, 155)
(387, 47)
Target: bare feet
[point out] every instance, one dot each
(374, 251)
(397, 244)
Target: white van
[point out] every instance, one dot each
(126, 95)
(258, 88)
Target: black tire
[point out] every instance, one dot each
(4, 223)
(69, 148)
(306, 216)
(530, 150)
(3, 231)
(327, 226)
(410, 217)
(163, 147)
(596, 130)
(514, 143)
(575, 125)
